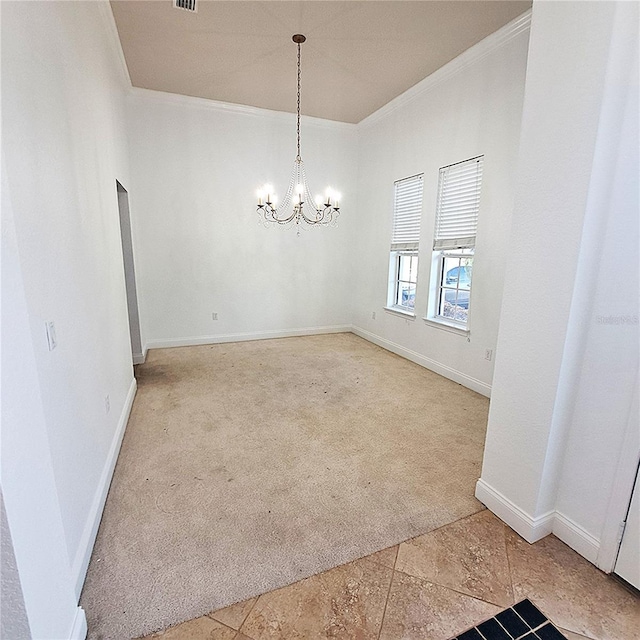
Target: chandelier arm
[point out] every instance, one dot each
(306, 219)
(323, 216)
(272, 213)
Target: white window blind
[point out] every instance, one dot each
(407, 211)
(458, 205)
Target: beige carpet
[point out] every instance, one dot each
(248, 466)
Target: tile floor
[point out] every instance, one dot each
(433, 587)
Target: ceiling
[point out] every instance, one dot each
(359, 54)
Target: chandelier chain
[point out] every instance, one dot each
(298, 122)
(298, 205)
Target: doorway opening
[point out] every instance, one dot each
(627, 564)
(137, 352)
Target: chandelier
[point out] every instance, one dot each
(298, 204)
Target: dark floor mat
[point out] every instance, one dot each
(523, 621)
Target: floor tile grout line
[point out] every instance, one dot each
(506, 553)
(407, 541)
(211, 614)
(462, 593)
(251, 608)
(386, 602)
(442, 526)
(206, 615)
(394, 570)
(226, 626)
(553, 623)
(577, 633)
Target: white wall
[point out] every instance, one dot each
(470, 107)
(64, 146)
(26, 470)
(196, 166)
(606, 306)
(563, 385)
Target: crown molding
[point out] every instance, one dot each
(112, 33)
(137, 93)
(467, 58)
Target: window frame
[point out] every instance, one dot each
(394, 281)
(439, 254)
(408, 207)
(440, 286)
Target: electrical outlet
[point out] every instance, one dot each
(214, 316)
(52, 341)
(488, 354)
(107, 403)
(373, 315)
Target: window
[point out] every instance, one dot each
(455, 240)
(406, 280)
(454, 284)
(403, 262)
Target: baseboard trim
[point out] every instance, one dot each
(530, 528)
(85, 548)
(244, 337)
(79, 628)
(139, 358)
(534, 529)
(437, 367)
(572, 534)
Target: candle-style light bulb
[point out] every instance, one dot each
(260, 195)
(268, 189)
(328, 194)
(336, 199)
(318, 201)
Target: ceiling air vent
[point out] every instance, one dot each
(187, 5)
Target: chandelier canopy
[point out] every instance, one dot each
(298, 204)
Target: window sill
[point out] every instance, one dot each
(401, 312)
(447, 326)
